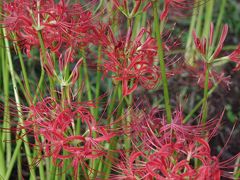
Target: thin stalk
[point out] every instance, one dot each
(162, 63)
(17, 99)
(98, 80)
(112, 102)
(25, 77)
(219, 22)
(236, 171)
(19, 165)
(208, 17)
(5, 146)
(97, 162)
(87, 81)
(52, 170)
(199, 104)
(41, 80)
(2, 160)
(200, 18)
(99, 6)
(189, 49)
(64, 95)
(205, 96)
(13, 159)
(113, 141)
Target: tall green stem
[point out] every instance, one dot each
(208, 17)
(6, 119)
(17, 99)
(162, 63)
(205, 96)
(198, 105)
(98, 80)
(43, 53)
(189, 49)
(25, 77)
(219, 22)
(87, 81)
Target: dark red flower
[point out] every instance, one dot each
(53, 124)
(61, 24)
(204, 45)
(131, 61)
(176, 6)
(169, 151)
(235, 57)
(198, 72)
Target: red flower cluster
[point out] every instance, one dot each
(169, 151)
(235, 57)
(198, 71)
(131, 61)
(61, 24)
(55, 124)
(176, 5)
(205, 47)
(205, 44)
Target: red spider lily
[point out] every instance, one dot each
(59, 23)
(131, 61)
(131, 167)
(169, 151)
(235, 57)
(176, 5)
(64, 60)
(55, 123)
(205, 45)
(198, 71)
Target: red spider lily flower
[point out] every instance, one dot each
(55, 122)
(235, 57)
(198, 72)
(169, 151)
(176, 5)
(64, 59)
(132, 167)
(59, 23)
(131, 61)
(205, 45)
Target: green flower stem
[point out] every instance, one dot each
(89, 93)
(5, 146)
(162, 63)
(199, 19)
(2, 160)
(13, 159)
(113, 141)
(19, 166)
(112, 102)
(199, 104)
(236, 172)
(25, 77)
(219, 21)
(52, 170)
(98, 80)
(17, 99)
(63, 99)
(189, 45)
(41, 80)
(99, 6)
(87, 81)
(205, 96)
(208, 17)
(96, 163)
